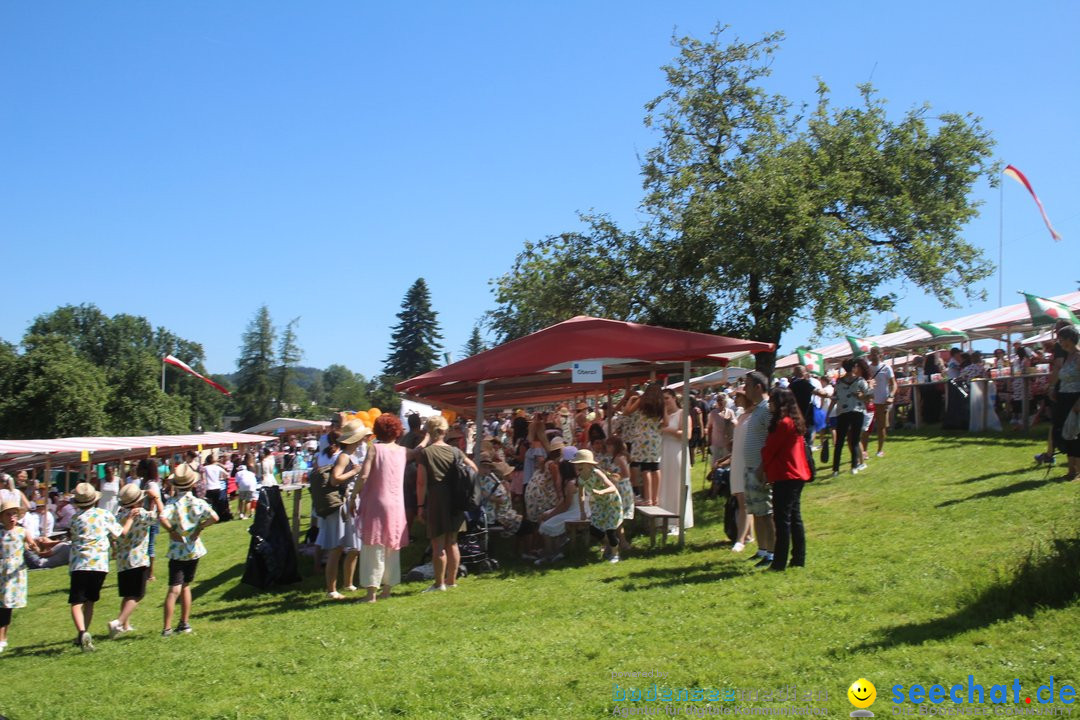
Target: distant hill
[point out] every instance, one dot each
(306, 377)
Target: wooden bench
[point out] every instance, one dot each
(653, 516)
(577, 532)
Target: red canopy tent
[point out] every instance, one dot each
(537, 368)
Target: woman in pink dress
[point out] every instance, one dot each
(383, 527)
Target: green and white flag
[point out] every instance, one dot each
(814, 362)
(860, 347)
(1048, 312)
(943, 332)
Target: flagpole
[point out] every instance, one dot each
(1001, 240)
(162, 376)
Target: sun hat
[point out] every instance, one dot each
(556, 443)
(353, 432)
(12, 505)
(131, 494)
(183, 477)
(584, 457)
(85, 495)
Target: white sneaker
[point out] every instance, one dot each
(881, 453)
(115, 629)
(434, 588)
(854, 471)
(614, 559)
(862, 467)
(3, 645)
(738, 547)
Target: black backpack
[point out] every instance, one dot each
(466, 490)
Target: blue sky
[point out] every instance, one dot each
(190, 161)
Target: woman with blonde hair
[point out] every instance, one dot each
(434, 496)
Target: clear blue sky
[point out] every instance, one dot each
(190, 161)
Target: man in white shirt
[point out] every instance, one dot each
(247, 491)
(884, 387)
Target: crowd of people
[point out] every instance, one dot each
(536, 472)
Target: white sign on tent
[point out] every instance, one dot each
(587, 371)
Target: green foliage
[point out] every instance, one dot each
(255, 383)
(415, 346)
(381, 393)
(289, 354)
(51, 391)
(896, 325)
(345, 390)
(759, 214)
(925, 569)
(475, 345)
(128, 351)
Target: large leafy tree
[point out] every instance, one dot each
(255, 366)
(415, 344)
(761, 213)
(52, 391)
(129, 351)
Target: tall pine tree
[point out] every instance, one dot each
(415, 346)
(475, 344)
(255, 379)
(289, 354)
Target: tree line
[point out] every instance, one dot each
(77, 371)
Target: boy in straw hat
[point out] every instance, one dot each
(92, 530)
(13, 542)
(133, 551)
(184, 518)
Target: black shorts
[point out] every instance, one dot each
(647, 466)
(182, 572)
(85, 586)
(132, 583)
(528, 527)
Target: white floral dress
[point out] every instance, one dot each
(646, 447)
(626, 490)
(606, 509)
(12, 568)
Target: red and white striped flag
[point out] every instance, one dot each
(1022, 179)
(169, 359)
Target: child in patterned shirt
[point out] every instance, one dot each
(133, 551)
(92, 529)
(184, 518)
(13, 542)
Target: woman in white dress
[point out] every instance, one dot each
(738, 472)
(673, 437)
(110, 488)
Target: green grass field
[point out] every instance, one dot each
(952, 556)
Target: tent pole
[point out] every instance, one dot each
(48, 474)
(479, 426)
(611, 405)
(684, 464)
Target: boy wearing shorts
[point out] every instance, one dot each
(184, 518)
(92, 530)
(133, 551)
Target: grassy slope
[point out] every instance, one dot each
(916, 574)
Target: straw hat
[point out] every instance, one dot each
(502, 468)
(556, 443)
(12, 505)
(85, 495)
(183, 477)
(131, 494)
(352, 432)
(584, 457)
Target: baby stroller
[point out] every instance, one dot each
(473, 544)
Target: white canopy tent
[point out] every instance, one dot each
(988, 324)
(714, 378)
(282, 426)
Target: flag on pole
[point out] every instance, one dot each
(943, 332)
(1020, 178)
(860, 347)
(814, 362)
(1048, 312)
(170, 360)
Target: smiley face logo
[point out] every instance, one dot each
(862, 693)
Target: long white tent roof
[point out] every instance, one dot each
(986, 324)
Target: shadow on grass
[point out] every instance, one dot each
(998, 492)
(202, 587)
(43, 650)
(705, 572)
(991, 476)
(1040, 580)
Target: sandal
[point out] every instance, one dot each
(334, 596)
